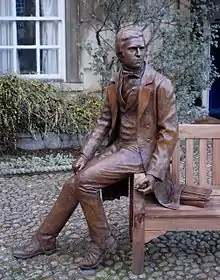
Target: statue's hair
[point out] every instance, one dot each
(124, 34)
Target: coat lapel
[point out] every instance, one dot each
(146, 89)
(143, 100)
(112, 97)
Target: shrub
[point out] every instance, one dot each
(37, 107)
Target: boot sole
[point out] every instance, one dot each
(49, 252)
(100, 260)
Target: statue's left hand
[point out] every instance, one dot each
(80, 163)
(145, 183)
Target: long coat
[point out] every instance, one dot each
(157, 130)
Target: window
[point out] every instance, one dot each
(32, 38)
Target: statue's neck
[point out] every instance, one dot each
(131, 71)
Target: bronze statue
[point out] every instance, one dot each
(139, 116)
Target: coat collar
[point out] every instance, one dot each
(113, 100)
(143, 96)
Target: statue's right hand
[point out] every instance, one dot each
(80, 163)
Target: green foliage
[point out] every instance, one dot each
(32, 106)
(177, 44)
(104, 70)
(31, 161)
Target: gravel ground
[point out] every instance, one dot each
(25, 200)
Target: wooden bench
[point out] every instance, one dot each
(149, 220)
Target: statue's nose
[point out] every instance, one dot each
(138, 53)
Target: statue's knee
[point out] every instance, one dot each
(79, 181)
(83, 177)
(70, 184)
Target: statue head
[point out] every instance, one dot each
(130, 47)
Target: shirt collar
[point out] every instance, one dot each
(131, 73)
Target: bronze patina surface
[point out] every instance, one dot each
(139, 117)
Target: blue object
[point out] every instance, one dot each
(214, 94)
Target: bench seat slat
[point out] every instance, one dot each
(182, 224)
(154, 210)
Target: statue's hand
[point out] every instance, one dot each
(80, 163)
(145, 183)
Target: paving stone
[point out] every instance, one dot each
(201, 276)
(209, 258)
(171, 273)
(25, 200)
(195, 271)
(109, 262)
(102, 274)
(208, 264)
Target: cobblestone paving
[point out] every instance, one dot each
(26, 200)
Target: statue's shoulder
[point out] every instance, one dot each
(164, 83)
(160, 79)
(155, 75)
(114, 78)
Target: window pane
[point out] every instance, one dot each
(6, 61)
(5, 8)
(48, 8)
(27, 62)
(26, 32)
(25, 8)
(49, 33)
(6, 30)
(49, 61)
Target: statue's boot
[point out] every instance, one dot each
(44, 241)
(101, 235)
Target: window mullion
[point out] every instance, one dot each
(38, 36)
(38, 46)
(62, 30)
(15, 41)
(37, 8)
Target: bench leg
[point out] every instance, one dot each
(137, 227)
(138, 243)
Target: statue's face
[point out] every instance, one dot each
(133, 53)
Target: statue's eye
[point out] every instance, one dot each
(132, 48)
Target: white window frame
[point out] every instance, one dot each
(61, 47)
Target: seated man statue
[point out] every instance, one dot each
(139, 117)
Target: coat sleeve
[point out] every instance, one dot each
(99, 132)
(167, 125)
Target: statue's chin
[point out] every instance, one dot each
(136, 65)
(132, 67)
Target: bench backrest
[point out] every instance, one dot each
(198, 148)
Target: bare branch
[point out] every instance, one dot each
(104, 40)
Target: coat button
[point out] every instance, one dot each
(147, 126)
(148, 140)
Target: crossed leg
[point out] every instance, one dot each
(108, 168)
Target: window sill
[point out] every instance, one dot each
(65, 86)
(70, 86)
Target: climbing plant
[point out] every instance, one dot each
(177, 41)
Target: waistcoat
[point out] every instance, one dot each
(128, 104)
